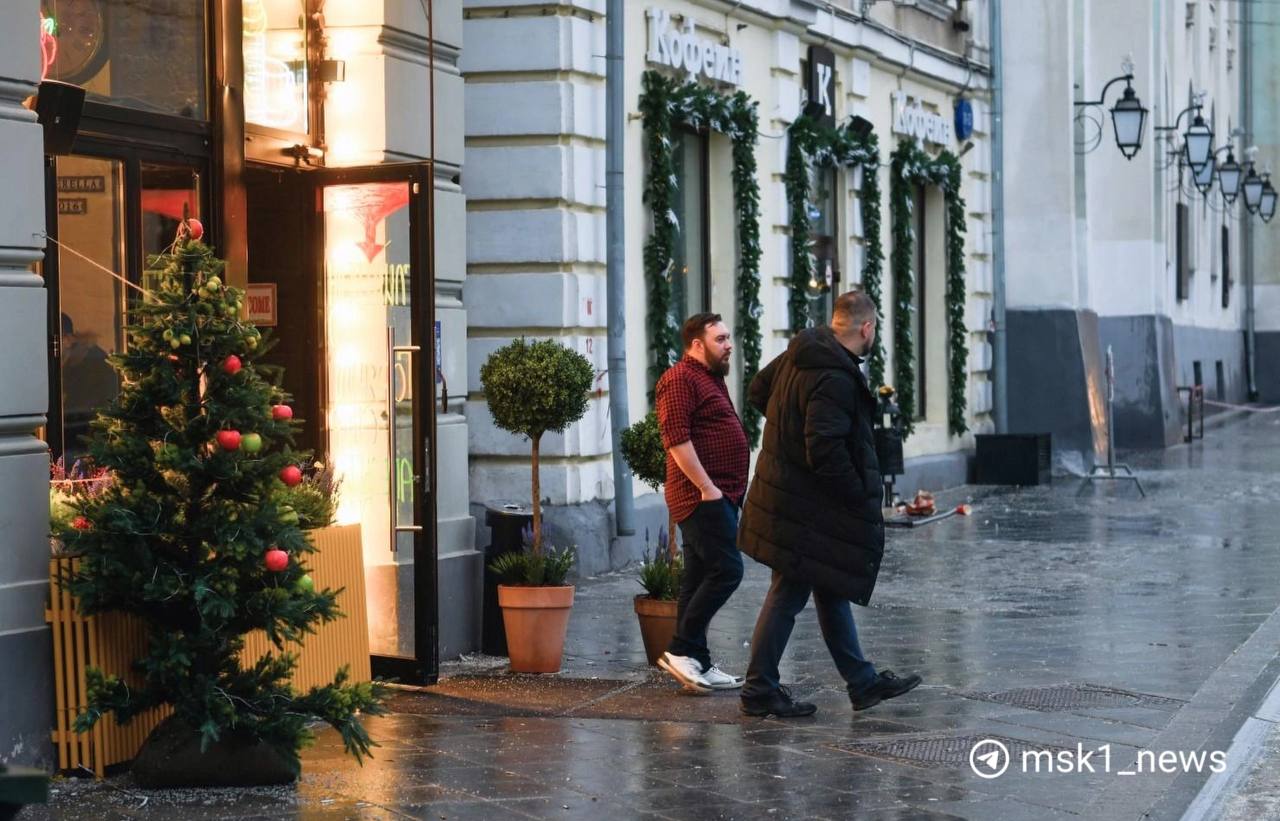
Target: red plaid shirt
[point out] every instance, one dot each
(694, 406)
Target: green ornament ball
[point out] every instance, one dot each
(251, 443)
(306, 584)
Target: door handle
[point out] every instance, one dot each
(392, 350)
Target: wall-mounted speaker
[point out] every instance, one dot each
(58, 106)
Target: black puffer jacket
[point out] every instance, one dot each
(813, 508)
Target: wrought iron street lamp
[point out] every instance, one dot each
(1197, 141)
(1203, 178)
(1128, 116)
(1229, 176)
(1252, 187)
(1267, 203)
(1197, 144)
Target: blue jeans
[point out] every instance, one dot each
(712, 571)
(786, 598)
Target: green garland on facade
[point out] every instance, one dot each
(811, 143)
(666, 104)
(909, 166)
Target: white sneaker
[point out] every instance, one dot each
(720, 680)
(685, 670)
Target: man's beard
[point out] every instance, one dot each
(719, 367)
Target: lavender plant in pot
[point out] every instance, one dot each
(662, 570)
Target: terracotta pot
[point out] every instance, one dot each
(536, 619)
(657, 625)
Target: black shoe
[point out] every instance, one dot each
(778, 703)
(886, 686)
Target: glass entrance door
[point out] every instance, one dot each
(378, 300)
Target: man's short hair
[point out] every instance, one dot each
(852, 308)
(696, 325)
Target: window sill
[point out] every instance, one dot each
(934, 8)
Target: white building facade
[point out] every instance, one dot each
(535, 188)
(1104, 252)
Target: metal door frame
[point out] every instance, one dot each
(424, 666)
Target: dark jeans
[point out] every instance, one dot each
(712, 571)
(786, 598)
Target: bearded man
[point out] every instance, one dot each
(707, 458)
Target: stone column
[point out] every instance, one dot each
(383, 113)
(26, 673)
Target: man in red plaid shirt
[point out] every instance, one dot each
(707, 457)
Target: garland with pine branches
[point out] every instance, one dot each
(665, 105)
(811, 143)
(910, 166)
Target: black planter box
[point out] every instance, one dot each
(1013, 459)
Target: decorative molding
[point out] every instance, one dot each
(16, 437)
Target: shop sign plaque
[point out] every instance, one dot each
(683, 49)
(911, 119)
(260, 303)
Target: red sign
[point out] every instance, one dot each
(260, 303)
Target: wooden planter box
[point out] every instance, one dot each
(111, 641)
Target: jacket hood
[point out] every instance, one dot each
(817, 349)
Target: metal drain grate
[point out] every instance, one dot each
(937, 751)
(1062, 697)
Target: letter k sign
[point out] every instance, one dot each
(826, 82)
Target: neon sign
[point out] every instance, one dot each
(48, 45)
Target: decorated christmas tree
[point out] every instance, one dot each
(200, 533)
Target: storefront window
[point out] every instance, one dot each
(140, 54)
(822, 207)
(91, 245)
(168, 193)
(690, 273)
(275, 64)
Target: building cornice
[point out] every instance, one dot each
(846, 31)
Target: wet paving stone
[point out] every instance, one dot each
(1004, 612)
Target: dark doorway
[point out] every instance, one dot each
(283, 254)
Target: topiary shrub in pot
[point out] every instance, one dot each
(533, 388)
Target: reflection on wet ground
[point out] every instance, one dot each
(1041, 587)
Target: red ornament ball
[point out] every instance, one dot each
(81, 523)
(229, 439)
(231, 365)
(276, 560)
(281, 412)
(291, 476)
(195, 227)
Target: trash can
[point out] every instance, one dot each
(19, 786)
(505, 520)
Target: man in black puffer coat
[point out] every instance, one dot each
(813, 510)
